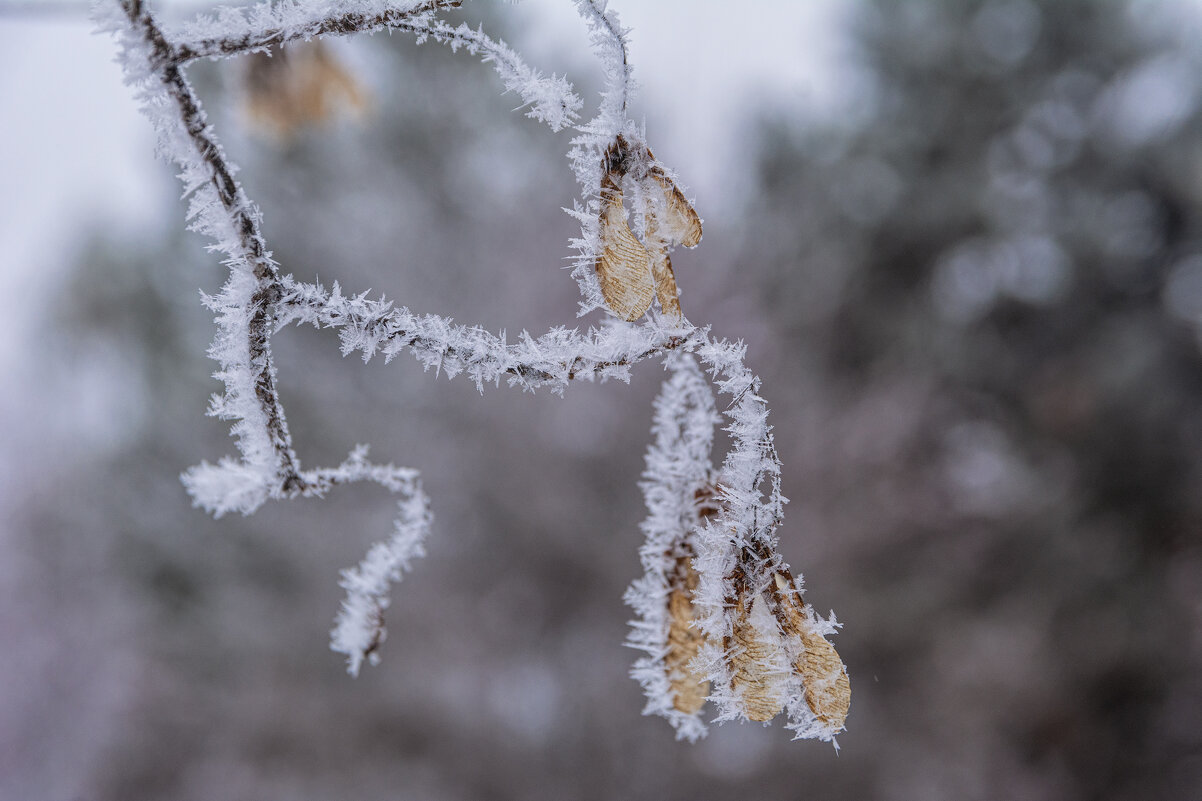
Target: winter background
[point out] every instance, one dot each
(963, 243)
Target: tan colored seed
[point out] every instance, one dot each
(298, 86)
(661, 271)
(684, 640)
(633, 272)
(665, 284)
(827, 687)
(679, 220)
(752, 656)
(623, 267)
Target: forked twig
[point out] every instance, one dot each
(715, 581)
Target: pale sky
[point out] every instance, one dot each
(72, 143)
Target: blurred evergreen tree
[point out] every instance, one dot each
(989, 277)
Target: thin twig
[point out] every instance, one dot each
(245, 220)
(344, 24)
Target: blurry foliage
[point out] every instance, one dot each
(974, 279)
(976, 296)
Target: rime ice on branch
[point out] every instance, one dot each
(721, 615)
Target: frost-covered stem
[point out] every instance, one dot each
(602, 20)
(550, 99)
(552, 360)
(250, 245)
(343, 24)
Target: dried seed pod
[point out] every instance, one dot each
(631, 272)
(623, 266)
(754, 659)
(823, 675)
(297, 86)
(684, 640)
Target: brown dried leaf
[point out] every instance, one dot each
(623, 267)
(752, 657)
(684, 640)
(827, 687)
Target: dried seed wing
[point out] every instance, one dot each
(268, 92)
(335, 81)
(661, 272)
(678, 220)
(754, 664)
(665, 283)
(827, 687)
(297, 87)
(823, 674)
(684, 640)
(623, 266)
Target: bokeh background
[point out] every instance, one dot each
(963, 243)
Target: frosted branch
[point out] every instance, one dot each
(220, 209)
(609, 42)
(233, 32)
(552, 360)
(721, 617)
(236, 31)
(359, 628)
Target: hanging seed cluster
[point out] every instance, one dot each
(632, 272)
(739, 640)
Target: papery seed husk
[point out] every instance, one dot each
(678, 220)
(297, 86)
(827, 686)
(662, 273)
(689, 688)
(623, 267)
(752, 658)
